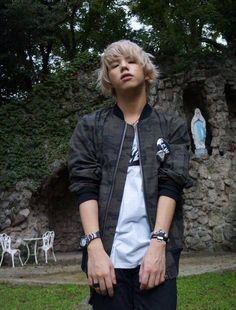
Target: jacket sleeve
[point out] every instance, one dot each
(173, 172)
(83, 164)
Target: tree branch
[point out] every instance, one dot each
(218, 46)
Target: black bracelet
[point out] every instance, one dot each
(160, 235)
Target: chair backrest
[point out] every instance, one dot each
(48, 239)
(5, 242)
(1, 236)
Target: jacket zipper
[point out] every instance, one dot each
(144, 186)
(113, 178)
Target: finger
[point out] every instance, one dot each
(162, 277)
(113, 275)
(109, 286)
(157, 280)
(98, 291)
(144, 280)
(96, 286)
(90, 281)
(93, 282)
(151, 281)
(140, 272)
(102, 286)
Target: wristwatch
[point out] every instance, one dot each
(160, 235)
(85, 240)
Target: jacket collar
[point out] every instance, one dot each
(145, 113)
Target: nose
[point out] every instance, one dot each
(124, 65)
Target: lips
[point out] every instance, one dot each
(126, 77)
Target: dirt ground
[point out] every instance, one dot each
(67, 269)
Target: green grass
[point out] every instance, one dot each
(55, 297)
(212, 291)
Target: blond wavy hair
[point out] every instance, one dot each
(124, 48)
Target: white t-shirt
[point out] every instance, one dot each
(132, 236)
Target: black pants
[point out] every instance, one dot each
(128, 296)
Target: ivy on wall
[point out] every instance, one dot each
(36, 131)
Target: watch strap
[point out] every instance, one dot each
(85, 240)
(92, 236)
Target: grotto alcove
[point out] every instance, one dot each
(194, 97)
(59, 206)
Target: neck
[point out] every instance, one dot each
(132, 105)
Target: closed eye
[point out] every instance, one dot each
(114, 65)
(131, 60)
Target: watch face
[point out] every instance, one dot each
(83, 242)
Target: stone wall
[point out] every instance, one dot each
(26, 213)
(209, 206)
(20, 215)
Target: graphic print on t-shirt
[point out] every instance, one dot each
(134, 157)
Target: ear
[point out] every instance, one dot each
(147, 77)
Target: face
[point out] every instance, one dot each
(126, 73)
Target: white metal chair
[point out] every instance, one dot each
(5, 241)
(48, 239)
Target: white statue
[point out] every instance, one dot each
(198, 129)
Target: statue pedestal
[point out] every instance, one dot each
(202, 152)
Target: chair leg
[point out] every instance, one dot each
(20, 260)
(2, 259)
(46, 256)
(12, 258)
(54, 255)
(20, 257)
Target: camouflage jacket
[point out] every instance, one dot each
(99, 155)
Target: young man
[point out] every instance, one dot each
(128, 165)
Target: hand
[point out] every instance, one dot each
(153, 267)
(100, 269)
